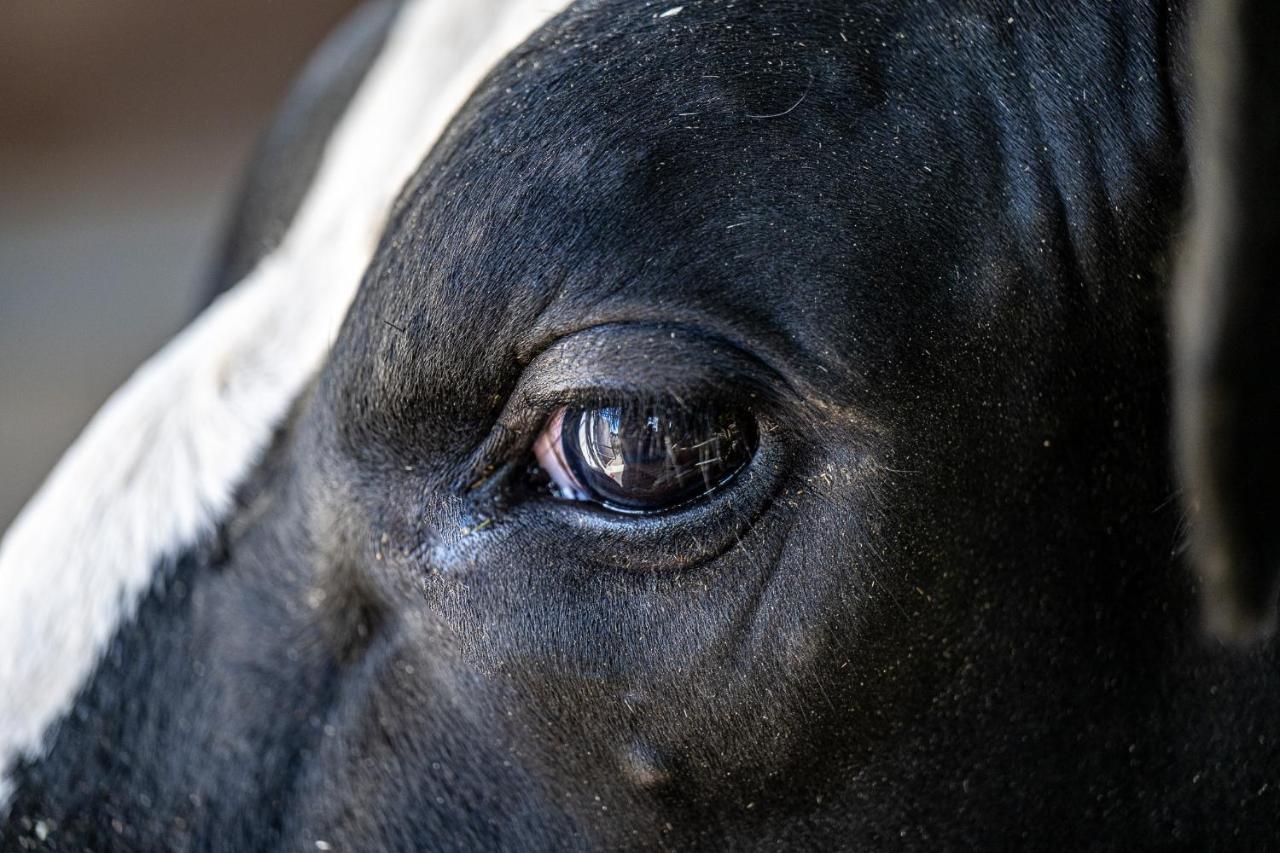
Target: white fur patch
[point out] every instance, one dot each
(157, 466)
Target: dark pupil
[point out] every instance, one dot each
(639, 458)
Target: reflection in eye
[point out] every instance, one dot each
(643, 458)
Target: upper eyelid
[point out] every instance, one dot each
(674, 368)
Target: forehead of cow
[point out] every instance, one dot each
(626, 156)
(798, 178)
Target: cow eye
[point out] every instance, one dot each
(643, 458)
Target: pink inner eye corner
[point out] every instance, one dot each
(549, 451)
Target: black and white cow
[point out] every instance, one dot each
(718, 424)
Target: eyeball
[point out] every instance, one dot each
(644, 458)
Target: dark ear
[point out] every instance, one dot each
(1227, 317)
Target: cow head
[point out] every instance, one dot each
(752, 428)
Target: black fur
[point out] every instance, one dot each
(943, 609)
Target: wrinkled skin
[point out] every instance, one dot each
(942, 608)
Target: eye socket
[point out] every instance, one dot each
(644, 458)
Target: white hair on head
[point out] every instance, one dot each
(157, 467)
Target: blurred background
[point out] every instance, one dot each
(124, 128)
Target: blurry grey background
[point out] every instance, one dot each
(124, 127)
